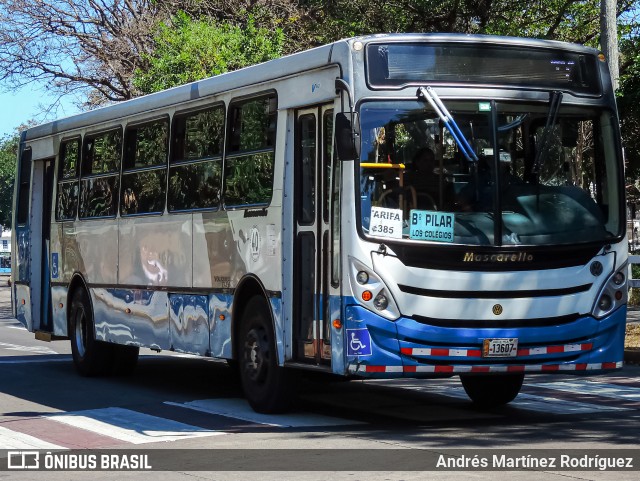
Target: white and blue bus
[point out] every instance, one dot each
(381, 207)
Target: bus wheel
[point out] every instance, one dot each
(90, 357)
(267, 386)
(125, 359)
(492, 390)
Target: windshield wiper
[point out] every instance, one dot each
(554, 107)
(447, 119)
(512, 125)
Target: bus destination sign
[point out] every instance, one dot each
(432, 226)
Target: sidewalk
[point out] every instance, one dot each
(632, 355)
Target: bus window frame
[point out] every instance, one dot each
(266, 94)
(20, 207)
(115, 173)
(124, 170)
(182, 162)
(61, 179)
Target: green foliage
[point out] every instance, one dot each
(189, 50)
(249, 179)
(566, 20)
(8, 156)
(629, 104)
(634, 294)
(569, 20)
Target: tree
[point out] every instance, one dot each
(93, 45)
(569, 20)
(8, 160)
(609, 37)
(97, 46)
(101, 46)
(188, 50)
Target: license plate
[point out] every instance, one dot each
(500, 348)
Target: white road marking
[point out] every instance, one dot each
(14, 440)
(31, 349)
(65, 358)
(559, 406)
(530, 402)
(131, 426)
(240, 409)
(594, 388)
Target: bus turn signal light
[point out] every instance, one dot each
(366, 296)
(337, 323)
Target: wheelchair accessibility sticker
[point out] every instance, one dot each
(54, 266)
(358, 342)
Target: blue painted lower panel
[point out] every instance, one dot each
(412, 349)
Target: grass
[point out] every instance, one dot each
(632, 339)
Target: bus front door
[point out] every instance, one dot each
(33, 232)
(313, 147)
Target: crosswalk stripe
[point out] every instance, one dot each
(113, 425)
(594, 388)
(131, 426)
(548, 404)
(240, 409)
(10, 439)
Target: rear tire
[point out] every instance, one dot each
(267, 386)
(492, 390)
(90, 357)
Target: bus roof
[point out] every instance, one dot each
(318, 57)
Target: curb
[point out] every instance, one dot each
(632, 356)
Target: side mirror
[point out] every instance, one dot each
(347, 136)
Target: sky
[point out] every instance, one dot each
(30, 103)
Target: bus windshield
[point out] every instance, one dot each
(534, 182)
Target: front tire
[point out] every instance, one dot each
(90, 357)
(492, 390)
(267, 386)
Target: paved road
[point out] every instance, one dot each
(180, 402)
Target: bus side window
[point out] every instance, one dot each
(68, 170)
(99, 173)
(24, 189)
(144, 174)
(195, 171)
(250, 152)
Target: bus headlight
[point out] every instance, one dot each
(371, 292)
(612, 295)
(381, 302)
(605, 303)
(362, 277)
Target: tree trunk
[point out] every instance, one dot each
(609, 37)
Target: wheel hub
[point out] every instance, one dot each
(81, 332)
(256, 353)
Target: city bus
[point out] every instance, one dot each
(5, 264)
(387, 206)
